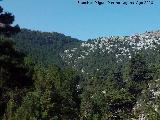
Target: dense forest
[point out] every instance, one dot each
(44, 47)
(50, 76)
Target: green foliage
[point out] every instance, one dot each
(14, 74)
(106, 99)
(45, 48)
(55, 96)
(33, 88)
(139, 70)
(6, 19)
(60, 93)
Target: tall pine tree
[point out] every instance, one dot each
(6, 20)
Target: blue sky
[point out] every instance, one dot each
(84, 21)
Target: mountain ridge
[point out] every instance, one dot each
(114, 74)
(120, 48)
(92, 55)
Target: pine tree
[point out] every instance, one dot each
(14, 74)
(139, 69)
(139, 74)
(6, 19)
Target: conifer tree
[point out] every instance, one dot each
(14, 74)
(6, 20)
(139, 74)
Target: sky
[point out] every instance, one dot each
(85, 21)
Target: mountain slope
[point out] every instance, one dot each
(44, 47)
(89, 57)
(99, 54)
(119, 84)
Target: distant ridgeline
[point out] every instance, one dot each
(44, 47)
(89, 57)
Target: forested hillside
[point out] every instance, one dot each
(100, 54)
(44, 47)
(90, 56)
(121, 74)
(28, 91)
(49, 76)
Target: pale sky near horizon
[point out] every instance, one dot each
(84, 21)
